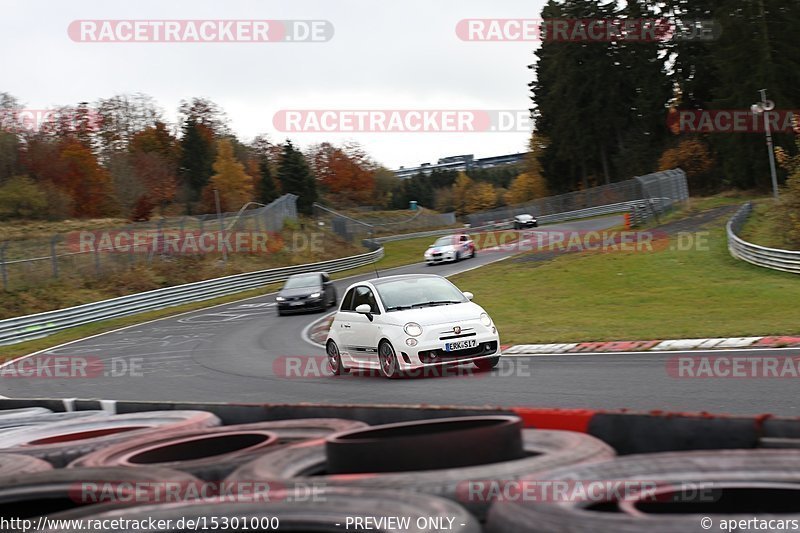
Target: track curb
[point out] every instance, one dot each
(785, 341)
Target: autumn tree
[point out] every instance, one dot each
(347, 174)
(461, 190)
(530, 184)
(21, 197)
(154, 156)
(693, 157)
(87, 183)
(480, 197)
(235, 186)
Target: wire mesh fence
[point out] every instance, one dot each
(354, 230)
(669, 185)
(25, 262)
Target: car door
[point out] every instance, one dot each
(362, 334)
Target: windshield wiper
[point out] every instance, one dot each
(398, 307)
(434, 303)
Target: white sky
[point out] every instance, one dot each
(398, 55)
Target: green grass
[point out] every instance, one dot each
(764, 226)
(636, 296)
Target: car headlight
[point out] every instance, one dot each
(280, 298)
(413, 329)
(315, 295)
(485, 320)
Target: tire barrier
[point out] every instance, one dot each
(211, 454)
(671, 492)
(75, 492)
(179, 462)
(306, 465)
(63, 442)
(12, 465)
(332, 510)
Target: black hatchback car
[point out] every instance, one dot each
(303, 292)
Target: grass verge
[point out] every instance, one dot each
(702, 292)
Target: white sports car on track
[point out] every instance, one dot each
(406, 323)
(450, 248)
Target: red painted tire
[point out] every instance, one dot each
(212, 454)
(64, 442)
(13, 465)
(75, 492)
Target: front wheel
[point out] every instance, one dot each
(335, 359)
(487, 364)
(389, 366)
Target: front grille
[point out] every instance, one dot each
(449, 334)
(440, 356)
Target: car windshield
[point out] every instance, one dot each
(412, 293)
(302, 281)
(444, 241)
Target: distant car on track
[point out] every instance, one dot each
(303, 292)
(525, 221)
(403, 323)
(450, 249)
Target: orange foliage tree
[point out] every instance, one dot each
(347, 174)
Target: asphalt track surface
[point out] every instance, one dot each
(243, 352)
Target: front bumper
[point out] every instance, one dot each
(430, 351)
(297, 306)
(442, 257)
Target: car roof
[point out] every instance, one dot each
(380, 281)
(308, 274)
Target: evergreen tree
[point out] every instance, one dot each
(267, 191)
(197, 157)
(296, 178)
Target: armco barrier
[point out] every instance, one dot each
(28, 327)
(774, 258)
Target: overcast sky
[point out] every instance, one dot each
(384, 55)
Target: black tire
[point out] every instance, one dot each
(280, 313)
(449, 443)
(77, 492)
(306, 465)
(335, 359)
(333, 299)
(64, 442)
(323, 511)
(14, 465)
(389, 366)
(458, 257)
(487, 364)
(675, 468)
(474, 253)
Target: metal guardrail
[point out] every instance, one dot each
(28, 327)
(774, 258)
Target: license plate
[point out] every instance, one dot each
(295, 303)
(459, 345)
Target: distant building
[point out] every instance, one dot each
(458, 163)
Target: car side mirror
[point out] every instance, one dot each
(365, 309)
(469, 295)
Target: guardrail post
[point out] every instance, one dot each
(3, 271)
(53, 257)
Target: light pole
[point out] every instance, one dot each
(221, 228)
(763, 108)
